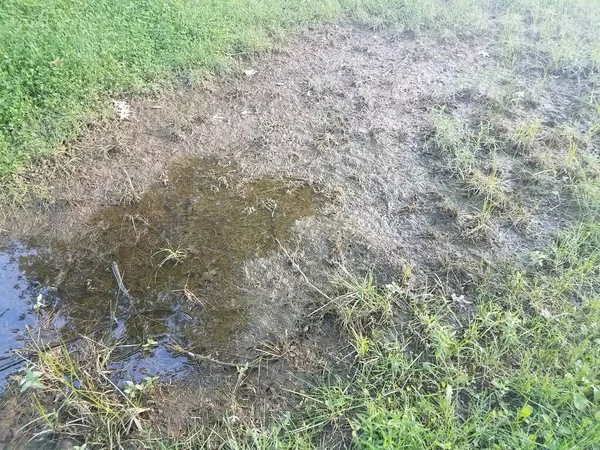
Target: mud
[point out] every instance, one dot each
(344, 112)
(163, 268)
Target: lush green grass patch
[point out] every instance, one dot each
(62, 60)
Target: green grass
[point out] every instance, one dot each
(61, 61)
(514, 367)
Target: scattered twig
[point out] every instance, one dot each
(394, 66)
(207, 358)
(135, 195)
(122, 288)
(306, 280)
(297, 267)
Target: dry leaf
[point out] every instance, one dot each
(123, 109)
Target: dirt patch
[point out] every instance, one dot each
(346, 110)
(346, 113)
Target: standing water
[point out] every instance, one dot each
(161, 268)
(18, 297)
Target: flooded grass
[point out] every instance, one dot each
(161, 268)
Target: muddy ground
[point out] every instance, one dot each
(337, 127)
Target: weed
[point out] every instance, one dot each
(71, 390)
(137, 390)
(491, 187)
(526, 133)
(511, 37)
(170, 253)
(362, 306)
(586, 192)
(454, 141)
(477, 227)
(448, 132)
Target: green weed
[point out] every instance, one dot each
(519, 371)
(511, 38)
(363, 305)
(490, 186)
(526, 133)
(170, 253)
(73, 395)
(454, 141)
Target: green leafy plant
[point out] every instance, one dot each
(31, 380)
(136, 390)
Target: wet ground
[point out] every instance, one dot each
(18, 297)
(162, 268)
(185, 202)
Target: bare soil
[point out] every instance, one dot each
(345, 111)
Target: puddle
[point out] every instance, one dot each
(18, 294)
(178, 250)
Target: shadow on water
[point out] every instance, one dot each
(178, 250)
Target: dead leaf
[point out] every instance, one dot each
(460, 299)
(123, 109)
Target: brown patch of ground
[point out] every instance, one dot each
(347, 111)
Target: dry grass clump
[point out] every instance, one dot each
(72, 394)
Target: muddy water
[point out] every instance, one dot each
(162, 267)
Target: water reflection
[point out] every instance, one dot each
(18, 296)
